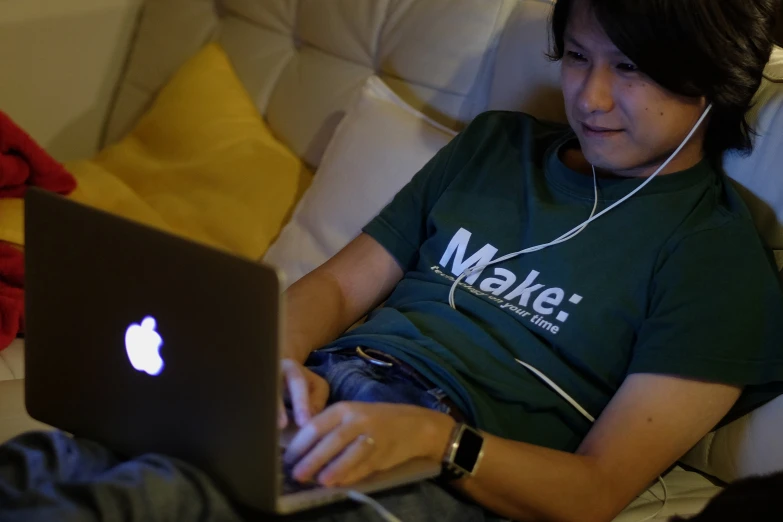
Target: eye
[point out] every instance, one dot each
(575, 56)
(628, 67)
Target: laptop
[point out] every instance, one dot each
(150, 343)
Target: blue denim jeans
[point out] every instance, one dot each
(48, 476)
(352, 378)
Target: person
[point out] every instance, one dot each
(656, 321)
(664, 317)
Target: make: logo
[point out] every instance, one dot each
(502, 286)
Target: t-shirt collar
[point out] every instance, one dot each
(566, 179)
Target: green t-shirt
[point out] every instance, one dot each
(674, 281)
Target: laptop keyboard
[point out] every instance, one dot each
(292, 486)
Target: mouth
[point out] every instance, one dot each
(599, 132)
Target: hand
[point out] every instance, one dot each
(350, 440)
(307, 391)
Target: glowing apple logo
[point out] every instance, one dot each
(143, 344)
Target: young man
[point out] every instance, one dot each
(655, 318)
(660, 319)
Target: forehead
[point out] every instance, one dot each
(584, 29)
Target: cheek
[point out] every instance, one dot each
(649, 111)
(570, 98)
(569, 84)
(645, 115)
(657, 123)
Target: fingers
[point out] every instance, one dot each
(326, 450)
(354, 464)
(298, 390)
(312, 432)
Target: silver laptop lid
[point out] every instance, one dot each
(102, 294)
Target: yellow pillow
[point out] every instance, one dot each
(201, 164)
(11, 221)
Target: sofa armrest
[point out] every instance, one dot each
(12, 361)
(61, 64)
(14, 419)
(751, 445)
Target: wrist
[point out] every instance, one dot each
(438, 435)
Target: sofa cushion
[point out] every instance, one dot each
(200, 163)
(751, 445)
(12, 361)
(760, 176)
(169, 33)
(377, 148)
(14, 419)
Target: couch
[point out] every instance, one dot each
(303, 61)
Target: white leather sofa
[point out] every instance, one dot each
(303, 61)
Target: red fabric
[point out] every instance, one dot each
(23, 163)
(11, 294)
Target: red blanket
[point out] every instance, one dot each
(23, 163)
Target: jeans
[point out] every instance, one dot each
(48, 476)
(352, 378)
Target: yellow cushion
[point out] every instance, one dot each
(201, 164)
(11, 221)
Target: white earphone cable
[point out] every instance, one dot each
(384, 513)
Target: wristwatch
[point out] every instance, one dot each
(463, 454)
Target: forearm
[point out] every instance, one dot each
(316, 313)
(650, 422)
(328, 300)
(530, 483)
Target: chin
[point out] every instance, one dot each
(599, 161)
(617, 163)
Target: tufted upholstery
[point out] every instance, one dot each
(303, 60)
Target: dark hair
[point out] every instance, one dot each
(712, 48)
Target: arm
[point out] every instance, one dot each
(654, 418)
(648, 425)
(324, 303)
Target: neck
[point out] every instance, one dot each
(574, 159)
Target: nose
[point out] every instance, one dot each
(596, 93)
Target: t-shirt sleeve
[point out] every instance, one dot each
(401, 227)
(716, 314)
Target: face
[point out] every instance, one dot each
(626, 123)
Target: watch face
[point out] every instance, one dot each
(468, 451)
